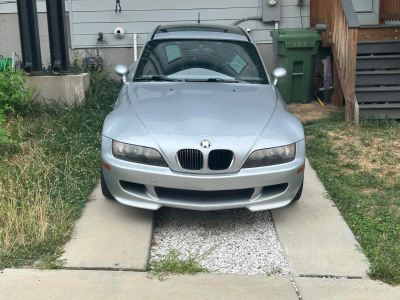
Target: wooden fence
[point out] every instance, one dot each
(342, 25)
(318, 11)
(389, 11)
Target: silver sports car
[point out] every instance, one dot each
(200, 125)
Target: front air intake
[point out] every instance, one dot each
(190, 159)
(219, 160)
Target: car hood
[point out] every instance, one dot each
(170, 116)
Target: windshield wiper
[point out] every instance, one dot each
(218, 80)
(154, 78)
(212, 80)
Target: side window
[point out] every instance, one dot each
(173, 52)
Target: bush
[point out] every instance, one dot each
(4, 134)
(13, 93)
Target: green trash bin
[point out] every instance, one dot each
(295, 50)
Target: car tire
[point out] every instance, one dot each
(104, 188)
(299, 192)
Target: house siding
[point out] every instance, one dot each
(88, 17)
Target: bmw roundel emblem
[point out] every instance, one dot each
(205, 144)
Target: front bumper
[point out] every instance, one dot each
(147, 177)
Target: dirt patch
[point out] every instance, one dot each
(311, 111)
(368, 155)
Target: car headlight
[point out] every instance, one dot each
(138, 154)
(271, 156)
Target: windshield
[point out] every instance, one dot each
(201, 60)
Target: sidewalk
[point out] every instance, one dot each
(20, 284)
(98, 285)
(110, 235)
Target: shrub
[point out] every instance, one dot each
(13, 93)
(4, 134)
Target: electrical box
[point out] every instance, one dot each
(271, 10)
(93, 63)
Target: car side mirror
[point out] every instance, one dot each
(123, 71)
(278, 73)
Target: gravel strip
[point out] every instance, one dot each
(243, 242)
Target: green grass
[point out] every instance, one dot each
(47, 174)
(360, 168)
(174, 262)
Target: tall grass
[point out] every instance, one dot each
(47, 174)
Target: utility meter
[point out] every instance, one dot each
(271, 10)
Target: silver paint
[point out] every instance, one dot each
(169, 116)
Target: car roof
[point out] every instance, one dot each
(200, 31)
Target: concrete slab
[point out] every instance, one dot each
(59, 88)
(110, 235)
(96, 285)
(314, 236)
(345, 289)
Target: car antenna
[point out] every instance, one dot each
(198, 20)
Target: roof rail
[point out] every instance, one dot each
(154, 33)
(244, 33)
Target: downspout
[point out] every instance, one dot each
(58, 40)
(29, 36)
(135, 36)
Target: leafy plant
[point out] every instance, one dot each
(14, 95)
(4, 134)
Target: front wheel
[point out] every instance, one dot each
(104, 188)
(299, 192)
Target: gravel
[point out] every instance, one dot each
(235, 241)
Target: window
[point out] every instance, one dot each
(202, 60)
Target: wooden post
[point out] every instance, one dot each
(337, 95)
(350, 76)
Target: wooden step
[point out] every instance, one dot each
(380, 111)
(378, 47)
(377, 77)
(378, 94)
(378, 62)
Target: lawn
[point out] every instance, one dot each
(360, 168)
(48, 172)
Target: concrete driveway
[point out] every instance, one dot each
(320, 248)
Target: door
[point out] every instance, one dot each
(367, 11)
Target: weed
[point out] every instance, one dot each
(13, 93)
(273, 271)
(175, 262)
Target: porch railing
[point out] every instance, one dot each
(342, 26)
(389, 10)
